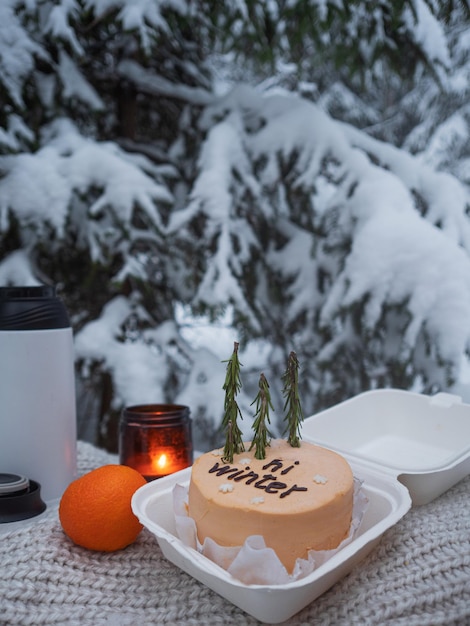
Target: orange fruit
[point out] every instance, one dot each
(95, 509)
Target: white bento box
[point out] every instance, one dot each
(407, 448)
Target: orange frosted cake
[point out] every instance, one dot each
(298, 499)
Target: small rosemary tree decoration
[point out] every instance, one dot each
(232, 385)
(260, 425)
(294, 415)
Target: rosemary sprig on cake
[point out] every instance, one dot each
(260, 425)
(294, 415)
(232, 385)
(292, 407)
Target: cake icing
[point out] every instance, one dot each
(298, 499)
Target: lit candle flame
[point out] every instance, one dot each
(161, 462)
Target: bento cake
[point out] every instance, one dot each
(297, 498)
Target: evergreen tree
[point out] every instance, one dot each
(127, 180)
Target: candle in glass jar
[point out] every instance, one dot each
(155, 439)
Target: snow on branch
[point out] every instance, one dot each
(16, 269)
(143, 16)
(147, 82)
(58, 25)
(74, 83)
(446, 198)
(34, 189)
(39, 187)
(389, 229)
(224, 166)
(397, 259)
(18, 50)
(427, 32)
(139, 373)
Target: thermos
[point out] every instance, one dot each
(37, 389)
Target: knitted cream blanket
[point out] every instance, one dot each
(418, 575)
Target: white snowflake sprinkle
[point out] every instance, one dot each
(226, 488)
(244, 461)
(321, 480)
(217, 452)
(257, 500)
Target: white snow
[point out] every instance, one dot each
(16, 269)
(361, 193)
(139, 373)
(34, 188)
(75, 85)
(58, 25)
(428, 32)
(17, 51)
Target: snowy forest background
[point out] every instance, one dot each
(289, 174)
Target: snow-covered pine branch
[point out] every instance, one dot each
(323, 212)
(384, 232)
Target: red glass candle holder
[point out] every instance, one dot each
(156, 439)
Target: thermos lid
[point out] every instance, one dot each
(31, 308)
(20, 498)
(12, 483)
